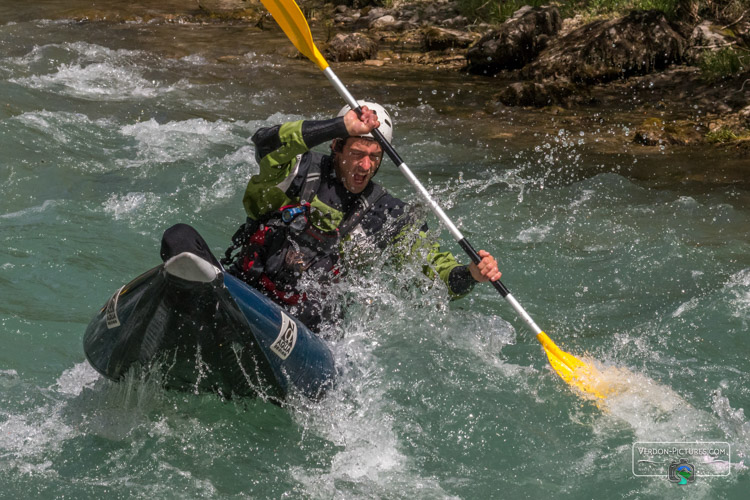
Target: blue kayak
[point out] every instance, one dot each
(205, 330)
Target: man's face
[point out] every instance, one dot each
(357, 163)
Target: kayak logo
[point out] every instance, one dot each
(287, 339)
(111, 311)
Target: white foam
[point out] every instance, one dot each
(74, 380)
(279, 118)
(655, 412)
(357, 418)
(226, 185)
(154, 132)
(60, 125)
(21, 214)
(28, 436)
(686, 306)
(195, 59)
(735, 296)
(101, 81)
(260, 60)
(687, 202)
(138, 208)
(176, 140)
(119, 205)
(739, 287)
(534, 234)
(8, 377)
(92, 71)
(586, 195)
(733, 422)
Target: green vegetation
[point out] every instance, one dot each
(495, 11)
(721, 135)
(720, 64)
(725, 11)
(610, 7)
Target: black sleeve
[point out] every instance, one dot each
(460, 280)
(266, 141)
(316, 132)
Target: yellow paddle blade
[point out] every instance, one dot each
(289, 16)
(572, 370)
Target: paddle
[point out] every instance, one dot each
(575, 372)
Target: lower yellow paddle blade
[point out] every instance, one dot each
(581, 375)
(290, 18)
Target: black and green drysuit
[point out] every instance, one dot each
(286, 167)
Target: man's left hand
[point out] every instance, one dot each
(486, 270)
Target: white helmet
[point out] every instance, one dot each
(386, 124)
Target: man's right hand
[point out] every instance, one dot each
(356, 125)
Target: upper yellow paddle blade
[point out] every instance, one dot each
(575, 372)
(289, 16)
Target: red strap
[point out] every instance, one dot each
(259, 236)
(285, 297)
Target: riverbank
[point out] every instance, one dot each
(641, 60)
(664, 105)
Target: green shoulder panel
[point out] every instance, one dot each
(263, 194)
(265, 191)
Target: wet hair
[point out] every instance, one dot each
(337, 145)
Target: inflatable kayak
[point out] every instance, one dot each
(203, 329)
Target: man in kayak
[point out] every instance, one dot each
(304, 206)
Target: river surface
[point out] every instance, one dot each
(112, 132)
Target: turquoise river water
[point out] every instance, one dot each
(112, 132)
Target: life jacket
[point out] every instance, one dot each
(278, 248)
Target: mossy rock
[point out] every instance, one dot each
(434, 38)
(653, 131)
